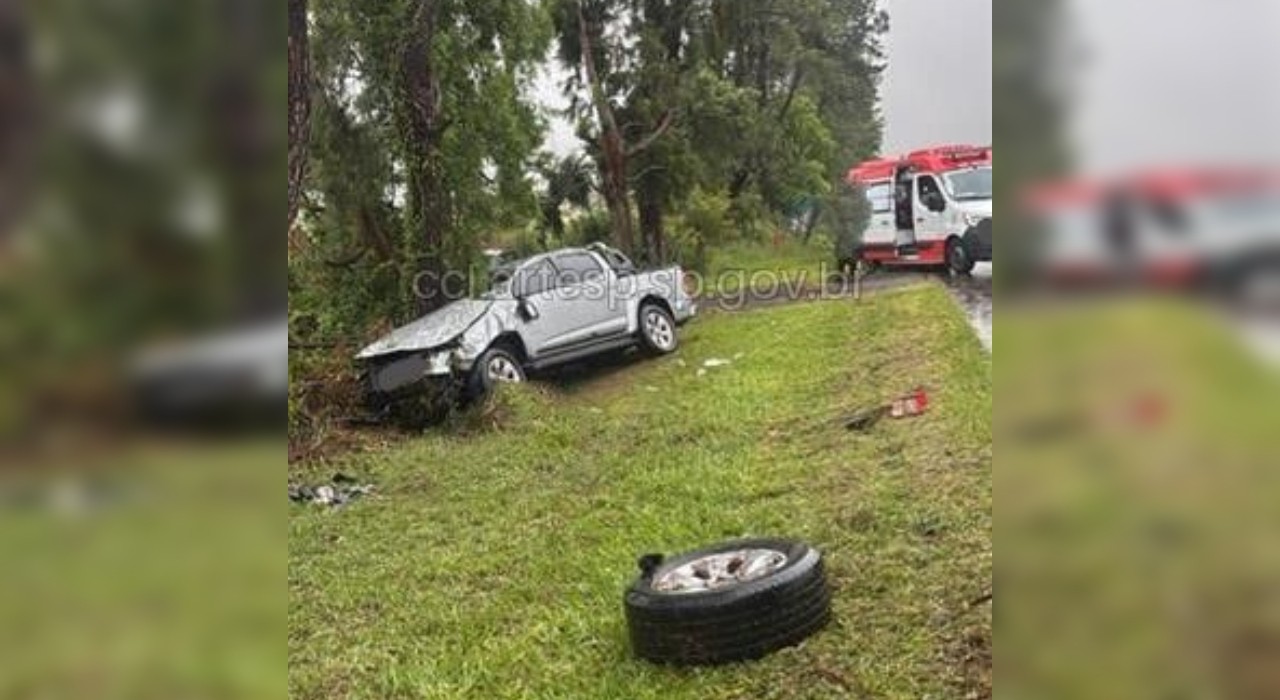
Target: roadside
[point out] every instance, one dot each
(492, 564)
(972, 293)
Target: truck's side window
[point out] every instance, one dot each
(577, 267)
(534, 279)
(880, 197)
(928, 187)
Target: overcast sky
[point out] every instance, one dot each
(1174, 82)
(937, 87)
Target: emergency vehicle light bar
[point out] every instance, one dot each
(962, 154)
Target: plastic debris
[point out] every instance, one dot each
(913, 404)
(715, 362)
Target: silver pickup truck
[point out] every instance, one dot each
(542, 311)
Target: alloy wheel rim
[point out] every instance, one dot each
(718, 571)
(502, 369)
(659, 330)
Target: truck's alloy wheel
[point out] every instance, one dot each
(657, 329)
(496, 365)
(958, 259)
(734, 601)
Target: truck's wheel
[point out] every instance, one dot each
(958, 258)
(497, 364)
(657, 329)
(731, 602)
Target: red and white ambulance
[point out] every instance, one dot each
(929, 208)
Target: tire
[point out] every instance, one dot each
(497, 364)
(737, 621)
(657, 329)
(958, 259)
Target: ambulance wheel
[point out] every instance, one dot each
(958, 259)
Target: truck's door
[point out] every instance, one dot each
(585, 283)
(904, 210)
(534, 285)
(930, 209)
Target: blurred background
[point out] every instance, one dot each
(1137, 385)
(142, 258)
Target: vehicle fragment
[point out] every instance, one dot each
(339, 491)
(734, 601)
(912, 404)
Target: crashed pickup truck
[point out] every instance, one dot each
(548, 309)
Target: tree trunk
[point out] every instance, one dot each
(299, 102)
(811, 221)
(428, 213)
(613, 171)
(651, 230)
(17, 123)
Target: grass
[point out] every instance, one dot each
(790, 261)
(1138, 513)
(150, 570)
(492, 564)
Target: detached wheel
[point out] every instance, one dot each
(958, 258)
(657, 329)
(496, 365)
(735, 601)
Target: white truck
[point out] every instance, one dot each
(545, 310)
(929, 208)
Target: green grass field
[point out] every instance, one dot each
(492, 562)
(762, 264)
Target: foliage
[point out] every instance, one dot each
(703, 222)
(844, 215)
(369, 230)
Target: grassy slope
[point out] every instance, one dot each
(733, 266)
(493, 565)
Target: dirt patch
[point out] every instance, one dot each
(971, 657)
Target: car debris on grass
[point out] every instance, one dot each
(913, 404)
(339, 491)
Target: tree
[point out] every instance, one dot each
(424, 124)
(422, 141)
(299, 103)
(567, 179)
(583, 47)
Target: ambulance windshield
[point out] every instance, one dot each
(969, 184)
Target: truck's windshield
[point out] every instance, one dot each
(969, 184)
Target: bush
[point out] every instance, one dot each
(844, 217)
(702, 223)
(589, 227)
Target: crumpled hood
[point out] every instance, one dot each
(976, 207)
(434, 329)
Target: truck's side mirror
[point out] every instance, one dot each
(526, 309)
(935, 201)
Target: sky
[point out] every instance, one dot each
(937, 86)
(1175, 82)
(547, 92)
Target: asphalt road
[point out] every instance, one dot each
(973, 294)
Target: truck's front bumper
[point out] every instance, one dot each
(977, 241)
(684, 309)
